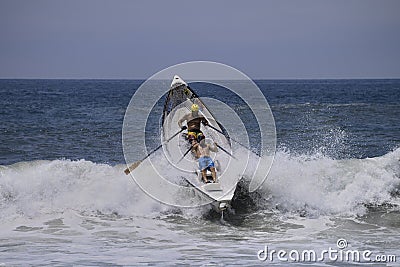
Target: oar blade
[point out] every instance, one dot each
(132, 167)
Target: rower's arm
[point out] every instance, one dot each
(194, 147)
(194, 150)
(204, 121)
(214, 148)
(181, 120)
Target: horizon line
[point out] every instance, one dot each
(133, 79)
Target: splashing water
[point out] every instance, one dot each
(315, 185)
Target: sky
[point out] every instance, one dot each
(299, 39)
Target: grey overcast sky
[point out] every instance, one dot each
(264, 39)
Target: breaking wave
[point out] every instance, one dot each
(319, 185)
(311, 185)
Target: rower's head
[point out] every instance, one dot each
(200, 137)
(194, 108)
(203, 142)
(193, 142)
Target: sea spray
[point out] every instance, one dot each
(30, 189)
(322, 185)
(295, 184)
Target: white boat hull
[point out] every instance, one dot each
(221, 193)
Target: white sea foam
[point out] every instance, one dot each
(321, 185)
(36, 188)
(314, 185)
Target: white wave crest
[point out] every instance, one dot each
(314, 185)
(320, 185)
(35, 188)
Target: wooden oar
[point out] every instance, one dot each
(137, 163)
(212, 127)
(223, 149)
(190, 148)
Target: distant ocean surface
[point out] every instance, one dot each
(64, 199)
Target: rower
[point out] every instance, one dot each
(193, 121)
(202, 153)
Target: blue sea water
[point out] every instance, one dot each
(82, 119)
(64, 199)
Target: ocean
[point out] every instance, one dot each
(334, 183)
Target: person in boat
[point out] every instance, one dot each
(202, 153)
(193, 121)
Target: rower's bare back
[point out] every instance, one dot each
(193, 123)
(204, 151)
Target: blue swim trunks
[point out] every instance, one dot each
(205, 162)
